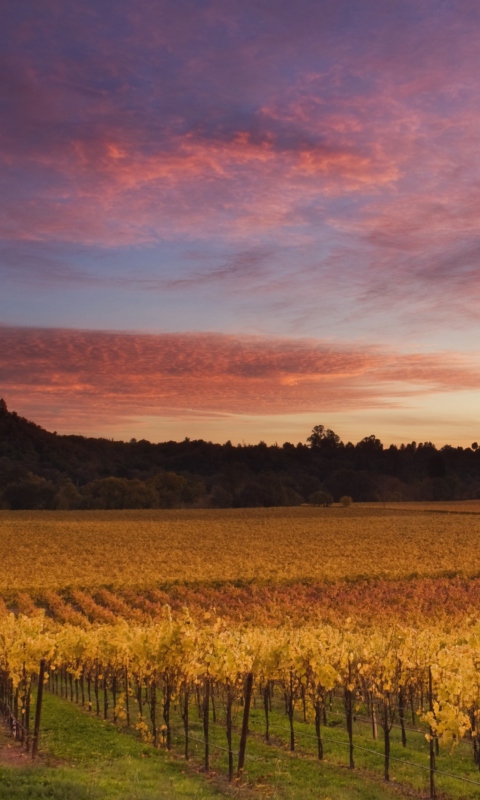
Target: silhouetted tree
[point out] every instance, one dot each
(324, 439)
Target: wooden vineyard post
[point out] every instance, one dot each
(127, 698)
(386, 739)
(105, 697)
(318, 730)
(114, 697)
(153, 710)
(97, 700)
(374, 720)
(206, 715)
(246, 714)
(27, 719)
(266, 704)
(229, 731)
(167, 701)
(82, 686)
(401, 714)
(38, 710)
(349, 700)
(185, 721)
(432, 737)
(290, 710)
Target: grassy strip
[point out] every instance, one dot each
(275, 773)
(459, 763)
(300, 774)
(87, 759)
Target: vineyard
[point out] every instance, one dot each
(347, 660)
(145, 548)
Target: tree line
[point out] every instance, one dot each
(43, 470)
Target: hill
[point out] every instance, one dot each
(41, 469)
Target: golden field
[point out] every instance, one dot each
(52, 550)
(445, 506)
(300, 603)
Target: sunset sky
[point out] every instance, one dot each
(236, 219)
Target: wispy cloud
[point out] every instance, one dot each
(44, 265)
(117, 374)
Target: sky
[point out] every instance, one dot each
(238, 219)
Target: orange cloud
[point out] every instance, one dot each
(107, 376)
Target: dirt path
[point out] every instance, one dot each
(12, 754)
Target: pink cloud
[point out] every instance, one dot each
(109, 376)
(109, 191)
(352, 130)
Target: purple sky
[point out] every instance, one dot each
(240, 219)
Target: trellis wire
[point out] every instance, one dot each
(382, 755)
(367, 720)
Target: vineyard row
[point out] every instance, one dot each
(421, 675)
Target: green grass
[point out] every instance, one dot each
(276, 773)
(85, 758)
(301, 775)
(458, 763)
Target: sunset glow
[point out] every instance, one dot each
(238, 220)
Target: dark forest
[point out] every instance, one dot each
(43, 470)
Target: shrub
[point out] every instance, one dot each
(321, 498)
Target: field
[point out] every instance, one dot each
(326, 637)
(53, 550)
